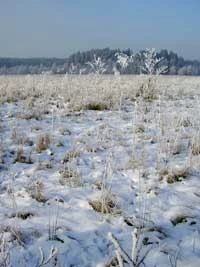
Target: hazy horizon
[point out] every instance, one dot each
(60, 28)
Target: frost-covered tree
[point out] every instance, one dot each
(97, 65)
(123, 60)
(72, 69)
(153, 67)
(152, 63)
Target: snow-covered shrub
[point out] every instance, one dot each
(124, 60)
(152, 67)
(97, 65)
(152, 63)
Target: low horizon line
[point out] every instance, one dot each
(82, 51)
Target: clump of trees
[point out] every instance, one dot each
(80, 63)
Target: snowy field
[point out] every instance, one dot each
(99, 171)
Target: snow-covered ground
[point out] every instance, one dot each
(90, 169)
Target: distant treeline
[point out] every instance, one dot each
(78, 63)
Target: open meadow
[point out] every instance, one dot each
(99, 170)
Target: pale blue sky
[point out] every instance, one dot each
(32, 28)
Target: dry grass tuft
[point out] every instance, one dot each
(172, 176)
(35, 114)
(36, 190)
(195, 146)
(98, 106)
(70, 177)
(104, 205)
(147, 90)
(43, 143)
(22, 158)
(178, 148)
(71, 154)
(179, 219)
(22, 215)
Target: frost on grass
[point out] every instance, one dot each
(84, 156)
